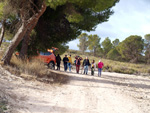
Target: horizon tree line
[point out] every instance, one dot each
(133, 49)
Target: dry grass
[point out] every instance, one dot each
(34, 70)
(119, 67)
(34, 67)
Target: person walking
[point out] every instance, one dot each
(58, 61)
(93, 67)
(100, 66)
(69, 62)
(78, 62)
(65, 60)
(86, 64)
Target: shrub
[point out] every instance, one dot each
(3, 105)
(34, 67)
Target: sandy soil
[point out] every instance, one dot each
(112, 93)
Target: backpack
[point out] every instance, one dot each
(74, 61)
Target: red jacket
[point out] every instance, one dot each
(78, 60)
(100, 65)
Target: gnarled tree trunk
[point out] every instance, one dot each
(16, 40)
(2, 32)
(25, 42)
(21, 32)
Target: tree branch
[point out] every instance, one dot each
(37, 15)
(34, 5)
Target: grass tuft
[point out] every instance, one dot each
(34, 67)
(3, 105)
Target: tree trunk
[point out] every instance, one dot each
(148, 55)
(25, 43)
(16, 40)
(2, 32)
(94, 51)
(24, 47)
(20, 34)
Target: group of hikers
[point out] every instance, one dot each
(67, 61)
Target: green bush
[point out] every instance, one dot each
(3, 105)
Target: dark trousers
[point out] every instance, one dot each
(65, 66)
(77, 68)
(92, 71)
(58, 65)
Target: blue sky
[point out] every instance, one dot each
(131, 17)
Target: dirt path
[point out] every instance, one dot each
(112, 93)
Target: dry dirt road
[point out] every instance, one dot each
(112, 93)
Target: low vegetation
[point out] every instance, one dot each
(34, 67)
(115, 66)
(3, 105)
(35, 70)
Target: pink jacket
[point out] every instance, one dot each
(100, 64)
